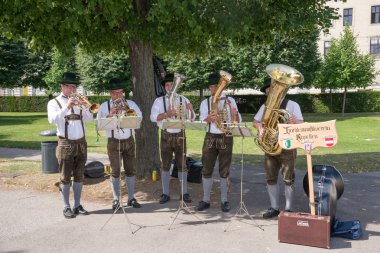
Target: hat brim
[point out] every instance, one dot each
(68, 82)
(262, 89)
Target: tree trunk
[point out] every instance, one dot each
(147, 149)
(344, 100)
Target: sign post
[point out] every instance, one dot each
(308, 136)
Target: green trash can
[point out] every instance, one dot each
(49, 160)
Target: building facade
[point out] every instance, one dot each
(363, 17)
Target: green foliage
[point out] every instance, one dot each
(96, 70)
(20, 66)
(344, 66)
(363, 101)
(247, 63)
(60, 63)
(169, 24)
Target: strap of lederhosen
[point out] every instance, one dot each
(284, 103)
(109, 111)
(208, 112)
(67, 122)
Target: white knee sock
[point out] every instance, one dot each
(223, 189)
(207, 185)
(65, 193)
(274, 195)
(130, 182)
(115, 184)
(77, 189)
(165, 178)
(184, 176)
(289, 196)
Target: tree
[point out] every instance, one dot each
(20, 66)
(96, 70)
(345, 67)
(247, 63)
(60, 63)
(142, 26)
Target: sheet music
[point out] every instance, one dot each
(114, 123)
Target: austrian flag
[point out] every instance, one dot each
(329, 141)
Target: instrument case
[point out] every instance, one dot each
(304, 229)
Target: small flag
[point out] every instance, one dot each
(329, 141)
(308, 146)
(287, 143)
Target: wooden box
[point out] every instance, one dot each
(304, 229)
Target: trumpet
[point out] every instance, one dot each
(83, 103)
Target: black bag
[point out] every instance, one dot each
(347, 229)
(94, 169)
(194, 169)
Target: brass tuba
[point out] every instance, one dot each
(222, 122)
(83, 104)
(283, 77)
(122, 108)
(181, 111)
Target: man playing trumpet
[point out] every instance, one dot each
(121, 143)
(72, 146)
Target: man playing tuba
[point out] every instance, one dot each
(284, 161)
(121, 143)
(217, 111)
(172, 106)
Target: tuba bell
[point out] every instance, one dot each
(83, 103)
(222, 122)
(283, 77)
(181, 111)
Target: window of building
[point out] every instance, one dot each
(347, 17)
(375, 14)
(326, 47)
(375, 45)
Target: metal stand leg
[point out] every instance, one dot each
(182, 204)
(120, 197)
(242, 210)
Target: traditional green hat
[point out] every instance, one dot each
(267, 82)
(213, 78)
(169, 77)
(116, 84)
(69, 78)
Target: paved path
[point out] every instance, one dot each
(33, 221)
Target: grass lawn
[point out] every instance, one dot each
(355, 152)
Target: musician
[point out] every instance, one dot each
(217, 145)
(120, 144)
(284, 162)
(72, 146)
(172, 140)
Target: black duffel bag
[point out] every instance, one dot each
(194, 169)
(94, 169)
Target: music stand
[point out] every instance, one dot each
(177, 124)
(241, 131)
(118, 123)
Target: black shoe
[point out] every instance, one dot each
(270, 213)
(186, 198)
(164, 198)
(68, 213)
(288, 211)
(203, 205)
(115, 204)
(225, 206)
(133, 203)
(80, 210)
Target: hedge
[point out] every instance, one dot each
(363, 101)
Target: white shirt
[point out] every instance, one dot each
(56, 116)
(204, 112)
(123, 133)
(292, 108)
(158, 108)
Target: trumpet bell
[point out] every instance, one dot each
(94, 108)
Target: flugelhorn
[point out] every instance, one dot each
(83, 103)
(121, 105)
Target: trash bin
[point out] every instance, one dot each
(49, 160)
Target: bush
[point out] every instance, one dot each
(363, 101)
